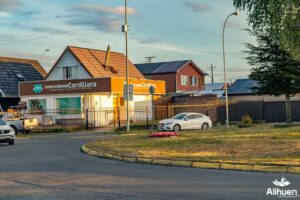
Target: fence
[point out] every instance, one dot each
(259, 110)
(112, 118)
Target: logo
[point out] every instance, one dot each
(282, 190)
(38, 88)
(282, 183)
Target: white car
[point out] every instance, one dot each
(7, 133)
(185, 121)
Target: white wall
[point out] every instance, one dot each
(67, 60)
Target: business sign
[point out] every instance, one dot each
(112, 85)
(65, 86)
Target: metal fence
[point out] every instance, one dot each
(112, 118)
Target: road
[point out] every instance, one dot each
(54, 168)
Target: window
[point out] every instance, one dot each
(37, 104)
(70, 72)
(19, 76)
(148, 77)
(69, 105)
(184, 80)
(195, 81)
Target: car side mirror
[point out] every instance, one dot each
(185, 119)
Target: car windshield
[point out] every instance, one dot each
(2, 122)
(179, 116)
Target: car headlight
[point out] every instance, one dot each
(169, 123)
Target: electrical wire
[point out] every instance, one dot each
(64, 32)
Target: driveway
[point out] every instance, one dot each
(52, 167)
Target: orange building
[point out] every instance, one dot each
(86, 79)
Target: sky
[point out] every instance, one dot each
(169, 29)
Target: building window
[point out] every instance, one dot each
(69, 106)
(70, 72)
(184, 80)
(37, 105)
(148, 77)
(195, 81)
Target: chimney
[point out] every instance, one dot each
(107, 57)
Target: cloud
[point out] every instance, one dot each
(7, 37)
(105, 18)
(150, 40)
(101, 9)
(47, 30)
(28, 13)
(235, 24)
(9, 5)
(197, 7)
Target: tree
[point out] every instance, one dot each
(281, 18)
(275, 70)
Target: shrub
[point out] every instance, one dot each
(247, 120)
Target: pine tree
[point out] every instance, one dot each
(275, 70)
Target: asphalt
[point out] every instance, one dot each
(52, 167)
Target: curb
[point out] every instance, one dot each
(196, 164)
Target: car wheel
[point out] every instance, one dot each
(11, 142)
(176, 128)
(205, 126)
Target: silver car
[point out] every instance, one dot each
(185, 121)
(7, 133)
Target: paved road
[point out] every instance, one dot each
(54, 168)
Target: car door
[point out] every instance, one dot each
(186, 123)
(190, 122)
(198, 121)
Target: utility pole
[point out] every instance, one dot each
(149, 59)
(125, 30)
(212, 67)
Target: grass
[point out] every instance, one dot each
(260, 144)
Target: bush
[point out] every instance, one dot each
(247, 121)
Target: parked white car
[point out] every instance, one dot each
(7, 133)
(185, 121)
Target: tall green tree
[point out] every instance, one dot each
(275, 70)
(281, 18)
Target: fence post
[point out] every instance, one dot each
(147, 117)
(119, 118)
(62, 118)
(87, 119)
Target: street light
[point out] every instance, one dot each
(45, 51)
(224, 62)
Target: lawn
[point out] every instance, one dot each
(260, 144)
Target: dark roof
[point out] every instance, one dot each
(214, 86)
(34, 63)
(242, 87)
(163, 67)
(11, 73)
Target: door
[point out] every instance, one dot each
(187, 123)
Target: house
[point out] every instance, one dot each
(89, 81)
(180, 76)
(12, 72)
(241, 90)
(217, 89)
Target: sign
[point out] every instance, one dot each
(152, 90)
(112, 85)
(65, 86)
(130, 92)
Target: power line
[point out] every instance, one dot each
(64, 32)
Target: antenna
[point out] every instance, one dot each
(149, 59)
